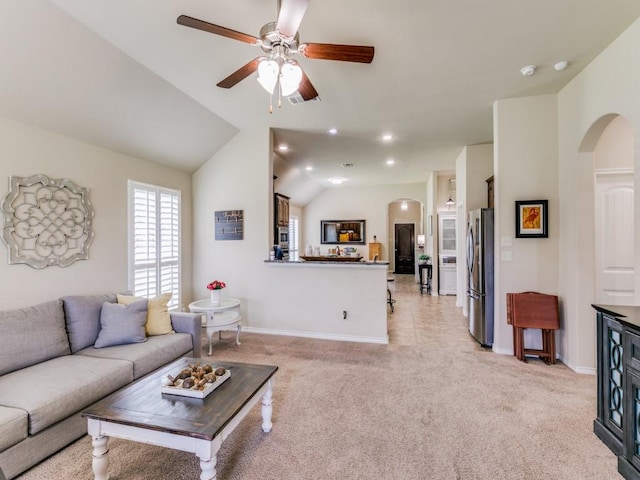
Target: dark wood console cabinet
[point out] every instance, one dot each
(618, 418)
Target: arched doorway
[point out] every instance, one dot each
(609, 144)
(405, 231)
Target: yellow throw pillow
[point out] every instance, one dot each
(158, 319)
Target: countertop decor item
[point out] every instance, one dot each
(330, 258)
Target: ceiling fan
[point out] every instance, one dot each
(281, 42)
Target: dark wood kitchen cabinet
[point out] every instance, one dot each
(281, 210)
(617, 422)
(490, 192)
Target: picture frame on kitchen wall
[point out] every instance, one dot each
(342, 232)
(532, 219)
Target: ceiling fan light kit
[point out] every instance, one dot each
(278, 72)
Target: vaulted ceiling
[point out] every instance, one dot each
(126, 76)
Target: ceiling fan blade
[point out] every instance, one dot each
(345, 53)
(217, 29)
(290, 16)
(306, 89)
(240, 74)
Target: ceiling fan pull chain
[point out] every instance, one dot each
(271, 103)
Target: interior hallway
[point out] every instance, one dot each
(425, 319)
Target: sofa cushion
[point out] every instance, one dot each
(122, 324)
(82, 314)
(32, 335)
(13, 426)
(158, 318)
(57, 388)
(146, 357)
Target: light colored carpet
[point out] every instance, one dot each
(443, 409)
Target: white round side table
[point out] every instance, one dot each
(225, 316)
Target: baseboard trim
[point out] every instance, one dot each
(581, 370)
(575, 368)
(502, 351)
(317, 335)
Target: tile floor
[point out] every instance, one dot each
(422, 319)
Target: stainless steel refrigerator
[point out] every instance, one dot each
(480, 274)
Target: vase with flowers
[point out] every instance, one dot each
(215, 288)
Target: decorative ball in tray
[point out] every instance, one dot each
(196, 380)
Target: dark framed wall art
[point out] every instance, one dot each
(532, 219)
(229, 224)
(342, 232)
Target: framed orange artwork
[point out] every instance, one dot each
(532, 219)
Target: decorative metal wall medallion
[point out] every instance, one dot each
(46, 221)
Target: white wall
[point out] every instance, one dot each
(594, 94)
(526, 168)
(29, 151)
(474, 166)
(479, 169)
(277, 298)
(614, 149)
(430, 225)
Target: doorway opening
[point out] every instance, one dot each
(405, 231)
(404, 240)
(609, 145)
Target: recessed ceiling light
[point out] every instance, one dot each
(528, 70)
(560, 66)
(391, 161)
(283, 147)
(387, 137)
(332, 131)
(337, 180)
(309, 168)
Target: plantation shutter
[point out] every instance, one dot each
(154, 240)
(294, 237)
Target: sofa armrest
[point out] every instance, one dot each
(191, 323)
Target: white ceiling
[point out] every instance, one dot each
(126, 76)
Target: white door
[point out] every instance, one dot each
(614, 239)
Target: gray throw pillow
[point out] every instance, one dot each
(32, 335)
(82, 315)
(122, 324)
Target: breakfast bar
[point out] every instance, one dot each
(332, 299)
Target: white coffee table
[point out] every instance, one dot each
(225, 316)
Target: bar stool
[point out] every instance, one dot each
(390, 287)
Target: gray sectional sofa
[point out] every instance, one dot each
(50, 372)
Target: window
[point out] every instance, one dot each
(154, 241)
(294, 238)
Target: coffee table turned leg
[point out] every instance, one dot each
(100, 461)
(267, 409)
(207, 452)
(208, 468)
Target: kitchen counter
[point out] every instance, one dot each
(329, 300)
(333, 263)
